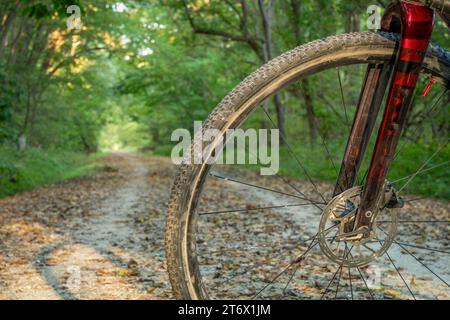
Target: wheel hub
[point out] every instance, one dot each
(346, 247)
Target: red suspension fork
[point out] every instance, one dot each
(417, 26)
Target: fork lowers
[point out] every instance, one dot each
(417, 26)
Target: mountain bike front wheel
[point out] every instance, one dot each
(232, 233)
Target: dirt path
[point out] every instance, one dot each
(101, 237)
(107, 247)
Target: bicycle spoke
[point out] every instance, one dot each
(423, 171)
(253, 266)
(347, 122)
(364, 280)
(397, 269)
(330, 105)
(214, 175)
(400, 275)
(296, 260)
(339, 278)
(290, 280)
(350, 277)
(270, 244)
(416, 221)
(424, 248)
(365, 283)
(291, 151)
(410, 175)
(253, 209)
(417, 259)
(334, 275)
(422, 166)
(331, 281)
(418, 132)
(415, 199)
(326, 149)
(361, 182)
(350, 281)
(292, 186)
(312, 238)
(331, 158)
(301, 193)
(369, 248)
(258, 265)
(273, 280)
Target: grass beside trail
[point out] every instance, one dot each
(20, 171)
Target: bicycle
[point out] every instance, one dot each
(358, 218)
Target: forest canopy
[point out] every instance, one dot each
(90, 76)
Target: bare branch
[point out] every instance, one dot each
(245, 38)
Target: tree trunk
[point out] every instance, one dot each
(352, 23)
(281, 118)
(9, 19)
(266, 18)
(265, 124)
(22, 142)
(156, 138)
(88, 148)
(305, 88)
(36, 97)
(4, 31)
(310, 115)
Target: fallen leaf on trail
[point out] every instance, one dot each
(104, 272)
(132, 263)
(124, 272)
(20, 261)
(391, 292)
(307, 289)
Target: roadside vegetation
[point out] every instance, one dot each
(134, 71)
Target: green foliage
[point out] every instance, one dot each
(21, 171)
(44, 9)
(137, 70)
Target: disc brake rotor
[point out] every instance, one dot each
(338, 218)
